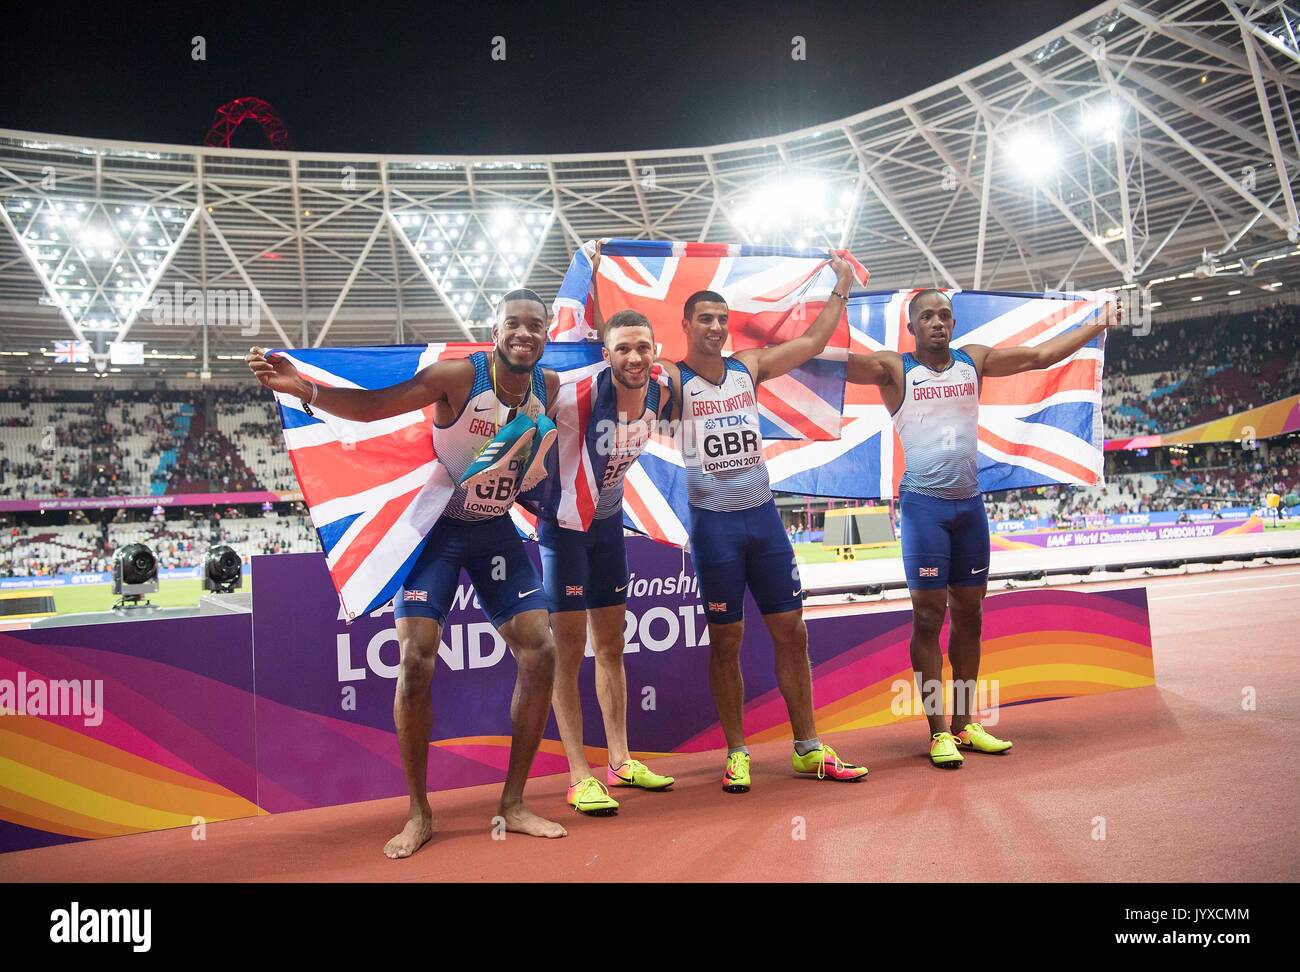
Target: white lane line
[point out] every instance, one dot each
(1240, 590)
(1236, 576)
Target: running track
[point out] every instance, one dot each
(1191, 788)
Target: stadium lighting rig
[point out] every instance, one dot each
(797, 210)
(1102, 121)
(1033, 153)
(99, 261)
(476, 257)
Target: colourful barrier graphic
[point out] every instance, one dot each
(171, 739)
(179, 732)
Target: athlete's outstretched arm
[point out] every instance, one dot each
(360, 404)
(765, 363)
(878, 368)
(597, 321)
(1001, 362)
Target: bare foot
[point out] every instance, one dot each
(414, 835)
(521, 821)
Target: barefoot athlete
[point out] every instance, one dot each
(932, 394)
(586, 573)
(737, 539)
(488, 411)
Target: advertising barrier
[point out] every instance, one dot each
(1126, 534)
(150, 501)
(118, 728)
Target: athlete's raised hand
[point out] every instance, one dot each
(276, 373)
(780, 359)
(1001, 362)
(843, 272)
(1113, 316)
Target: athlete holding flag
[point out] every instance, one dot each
(491, 434)
(586, 572)
(933, 394)
(737, 539)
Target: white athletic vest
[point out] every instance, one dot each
(721, 440)
(622, 443)
(459, 443)
(938, 424)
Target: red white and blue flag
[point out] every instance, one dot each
(654, 488)
(71, 352)
(1037, 428)
(374, 490)
(773, 294)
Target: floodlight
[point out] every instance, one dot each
(1032, 153)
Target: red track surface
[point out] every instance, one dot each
(1191, 788)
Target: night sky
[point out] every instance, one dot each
(419, 78)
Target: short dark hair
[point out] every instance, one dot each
(911, 304)
(701, 296)
(523, 293)
(626, 318)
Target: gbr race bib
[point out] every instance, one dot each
(495, 495)
(725, 443)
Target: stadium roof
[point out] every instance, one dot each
(1141, 143)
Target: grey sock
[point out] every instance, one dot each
(738, 749)
(805, 746)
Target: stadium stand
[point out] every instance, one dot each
(86, 448)
(247, 419)
(226, 437)
(37, 550)
(1183, 374)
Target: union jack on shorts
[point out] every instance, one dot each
(415, 595)
(929, 571)
(573, 590)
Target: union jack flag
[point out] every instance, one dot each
(654, 488)
(374, 490)
(1036, 428)
(71, 352)
(773, 294)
